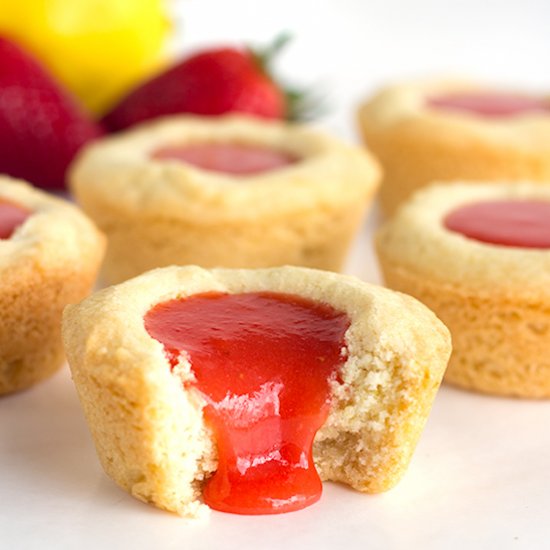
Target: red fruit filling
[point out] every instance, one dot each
(11, 217)
(263, 362)
(228, 158)
(519, 223)
(490, 104)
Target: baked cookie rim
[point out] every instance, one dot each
(403, 107)
(332, 173)
(416, 239)
(53, 233)
(135, 297)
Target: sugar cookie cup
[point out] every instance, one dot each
(48, 259)
(427, 131)
(159, 212)
(494, 298)
(149, 428)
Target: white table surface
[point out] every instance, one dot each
(480, 478)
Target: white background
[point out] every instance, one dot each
(481, 474)
(351, 47)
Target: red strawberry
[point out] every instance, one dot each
(211, 82)
(41, 126)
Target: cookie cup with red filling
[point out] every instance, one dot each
(147, 419)
(419, 139)
(50, 260)
(164, 211)
(494, 298)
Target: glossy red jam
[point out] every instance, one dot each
(11, 217)
(490, 104)
(518, 223)
(227, 158)
(263, 362)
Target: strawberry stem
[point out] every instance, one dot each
(265, 56)
(301, 104)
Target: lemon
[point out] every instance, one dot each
(97, 48)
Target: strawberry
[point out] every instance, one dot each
(41, 126)
(211, 82)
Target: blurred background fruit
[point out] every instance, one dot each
(42, 126)
(98, 48)
(214, 81)
(211, 82)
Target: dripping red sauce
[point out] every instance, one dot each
(519, 223)
(263, 362)
(11, 217)
(227, 158)
(490, 104)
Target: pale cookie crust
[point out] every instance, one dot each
(149, 431)
(51, 260)
(160, 212)
(418, 145)
(494, 299)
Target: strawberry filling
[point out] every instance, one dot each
(524, 224)
(263, 363)
(490, 104)
(11, 217)
(227, 158)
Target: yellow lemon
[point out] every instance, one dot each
(97, 48)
